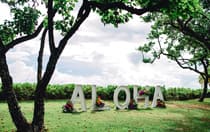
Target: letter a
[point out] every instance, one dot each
(78, 94)
(157, 95)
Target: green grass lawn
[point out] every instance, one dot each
(187, 116)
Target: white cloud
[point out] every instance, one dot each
(21, 72)
(5, 12)
(102, 55)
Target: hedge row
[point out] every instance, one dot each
(25, 91)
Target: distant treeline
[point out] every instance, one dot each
(25, 91)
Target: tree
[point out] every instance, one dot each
(24, 26)
(183, 38)
(201, 80)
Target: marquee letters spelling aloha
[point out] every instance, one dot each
(78, 95)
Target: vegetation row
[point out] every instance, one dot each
(25, 91)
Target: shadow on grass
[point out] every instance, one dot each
(77, 113)
(130, 110)
(74, 113)
(191, 122)
(192, 125)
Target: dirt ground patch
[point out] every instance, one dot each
(190, 106)
(205, 119)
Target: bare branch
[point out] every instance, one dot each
(1, 44)
(161, 49)
(205, 67)
(50, 25)
(204, 16)
(190, 68)
(40, 56)
(185, 24)
(177, 60)
(82, 15)
(184, 67)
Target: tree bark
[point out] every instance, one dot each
(205, 89)
(40, 56)
(38, 117)
(39, 111)
(17, 117)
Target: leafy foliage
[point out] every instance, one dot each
(182, 35)
(7, 32)
(114, 17)
(24, 21)
(60, 17)
(25, 91)
(64, 9)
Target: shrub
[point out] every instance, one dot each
(25, 91)
(87, 91)
(59, 91)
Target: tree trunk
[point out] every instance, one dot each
(205, 89)
(19, 120)
(38, 118)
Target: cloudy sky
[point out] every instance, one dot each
(101, 55)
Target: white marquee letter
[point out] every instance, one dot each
(157, 95)
(93, 96)
(136, 96)
(127, 101)
(79, 95)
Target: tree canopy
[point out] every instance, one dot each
(184, 38)
(28, 21)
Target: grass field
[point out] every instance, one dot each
(186, 116)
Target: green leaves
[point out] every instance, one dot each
(147, 60)
(147, 47)
(7, 32)
(114, 17)
(25, 20)
(182, 9)
(64, 25)
(64, 9)
(181, 33)
(16, 2)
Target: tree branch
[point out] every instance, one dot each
(82, 15)
(120, 5)
(185, 24)
(24, 38)
(190, 68)
(205, 67)
(1, 44)
(189, 32)
(40, 56)
(177, 60)
(1, 47)
(50, 25)
(161, 49)
(27, 37)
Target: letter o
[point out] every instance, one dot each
(116, 93)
